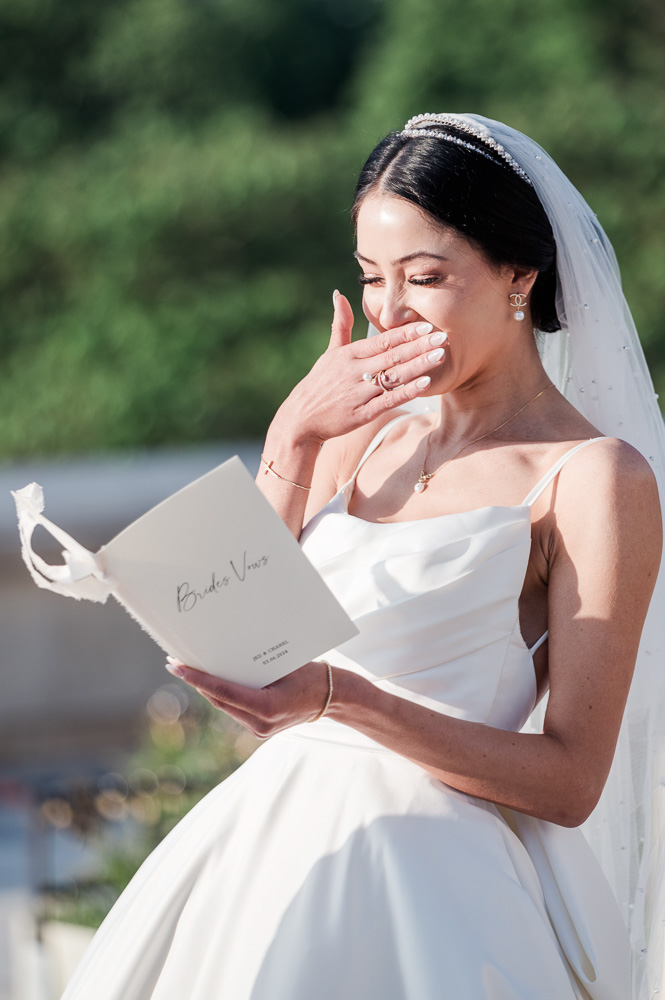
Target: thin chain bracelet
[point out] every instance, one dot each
(330, 690)
(269, 469)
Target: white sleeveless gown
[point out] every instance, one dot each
(330, 868)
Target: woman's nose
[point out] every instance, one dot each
(395, 312)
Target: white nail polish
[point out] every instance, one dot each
(438, 338)
(424, 328)
(423, 382)
(335, 294)
(436, 355)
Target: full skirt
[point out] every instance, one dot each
(329, 867)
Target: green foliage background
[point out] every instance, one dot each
(175, 177)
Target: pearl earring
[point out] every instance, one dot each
(517, 301)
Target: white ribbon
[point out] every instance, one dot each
(80, 576)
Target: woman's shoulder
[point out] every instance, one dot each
(602, 468)
(610, 483)
(608, 462)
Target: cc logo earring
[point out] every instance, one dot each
(518, 301)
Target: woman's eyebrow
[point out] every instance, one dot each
(403, 260)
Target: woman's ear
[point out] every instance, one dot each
(522, 279)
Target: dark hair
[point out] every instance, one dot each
(478, 195)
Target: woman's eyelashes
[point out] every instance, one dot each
(430, 279)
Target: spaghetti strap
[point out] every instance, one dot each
(374, 444)
(538, 643)
(543, 483)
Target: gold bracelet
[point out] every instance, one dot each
(269, 469)
(330, 690)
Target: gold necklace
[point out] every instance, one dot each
(424, 477)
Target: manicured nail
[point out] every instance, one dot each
(424, 328)
(438, 338)
(423, 382)
(436, 355)
(335, 294)
(173, 667)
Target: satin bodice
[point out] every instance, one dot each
(436, 605)
(435, 601)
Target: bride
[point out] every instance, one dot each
(405, 834)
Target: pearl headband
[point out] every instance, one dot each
(413, 129)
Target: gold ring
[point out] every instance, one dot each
(379, 379)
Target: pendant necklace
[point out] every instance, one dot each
(424, 477)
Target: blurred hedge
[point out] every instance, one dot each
(175, 178)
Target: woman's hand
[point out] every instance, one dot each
(335, 398)
(298, 697)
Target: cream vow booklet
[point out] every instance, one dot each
(212, 574)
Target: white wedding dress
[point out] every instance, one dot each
(330, 868)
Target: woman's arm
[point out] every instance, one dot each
(332, 402)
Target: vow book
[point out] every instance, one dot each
(212, 574)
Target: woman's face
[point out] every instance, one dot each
(416, 269)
